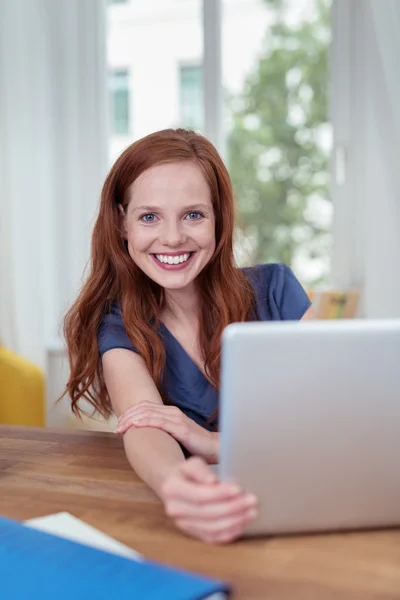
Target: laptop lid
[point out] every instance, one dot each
(310, 422)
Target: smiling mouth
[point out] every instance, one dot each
(176, 259)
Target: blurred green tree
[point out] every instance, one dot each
(278, 147)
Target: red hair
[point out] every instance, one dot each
(226, 293)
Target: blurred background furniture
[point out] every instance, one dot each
(22, 391)
(335, 304)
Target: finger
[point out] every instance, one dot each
(140, 406)
(228, 536)
(238, 505)
(134, 417)
(171, 426)
(133, 408)
(223, 530)
(147, 405)
(187, 491)
(124, 421)
(142, 414)
(219, 526)
(170, 408)
(150, 408)
(196, 470)
(225, 537)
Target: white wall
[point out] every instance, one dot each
(152, 39)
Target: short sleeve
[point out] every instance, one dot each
(280, 296)
(291, 297)
(112, 333)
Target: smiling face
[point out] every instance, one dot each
(169, 224)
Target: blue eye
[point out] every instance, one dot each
(194, 215)
(148, 218)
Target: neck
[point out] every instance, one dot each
(182, 304)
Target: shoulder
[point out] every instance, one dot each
(112, 333)
(265, 273)
(279, 294)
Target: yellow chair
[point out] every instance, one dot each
(22, 391)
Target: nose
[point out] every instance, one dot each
(172, 234)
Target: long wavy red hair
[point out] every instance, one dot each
(226, 293)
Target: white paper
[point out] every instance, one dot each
(66, 526)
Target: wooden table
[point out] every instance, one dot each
(86, 474)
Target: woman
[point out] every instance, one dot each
(144, 334)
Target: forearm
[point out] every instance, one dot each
(152, 453)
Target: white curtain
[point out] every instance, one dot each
(383, 171)
(53, 158)
(365, 96)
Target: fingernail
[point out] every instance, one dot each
(234, 489)
(251, 514)
(251, 500)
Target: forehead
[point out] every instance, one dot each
(180, 181)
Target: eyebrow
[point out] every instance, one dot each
(151, 209)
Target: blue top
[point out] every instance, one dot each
(279, 297)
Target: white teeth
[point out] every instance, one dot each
(172, 260)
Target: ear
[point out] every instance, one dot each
(122, 223)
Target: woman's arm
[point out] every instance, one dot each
(152, 453)
(195, 438)
(199, 504)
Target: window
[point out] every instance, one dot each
(120, 101)
(152, 40)
(278, 134)
(191, 96)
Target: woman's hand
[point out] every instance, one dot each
(170, 419)
(203, 507)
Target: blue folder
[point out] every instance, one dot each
(36, 565)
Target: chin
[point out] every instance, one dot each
(173, 282)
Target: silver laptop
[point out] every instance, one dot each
(310, 422)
